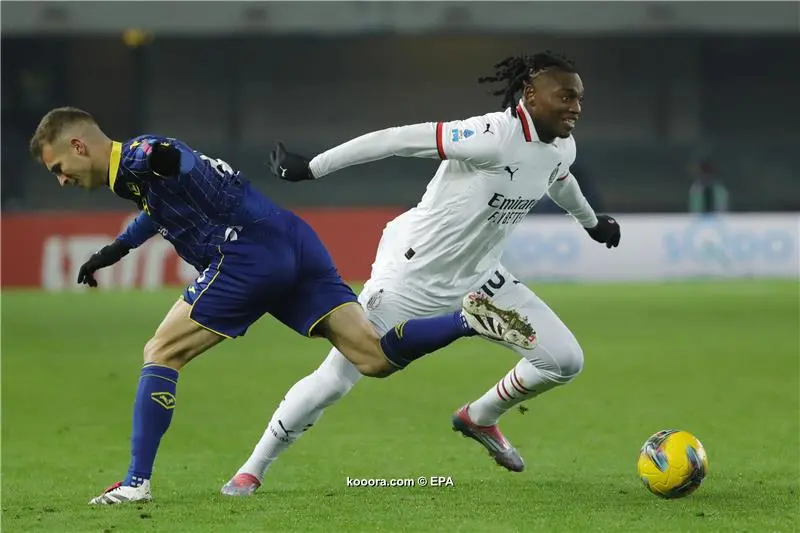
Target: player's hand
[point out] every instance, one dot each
(288, 166)
(107, 256)
(164, 160)
(606, 231)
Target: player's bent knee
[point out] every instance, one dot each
(175, 353)
(179, 339)
(155, 352)
(350, 332)
(376, 368)
(570, 361)
(161, 352)
(369, 360)
(367, 356)
(373, 362)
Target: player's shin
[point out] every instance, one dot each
(412, 339)
(302, 406)
(152, 414)
(523, 382)
(295, 414)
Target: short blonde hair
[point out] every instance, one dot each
(53, 124)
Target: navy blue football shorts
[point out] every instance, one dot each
(281, 269)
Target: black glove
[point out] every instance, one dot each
(288, 166)
(164, 160)
(107, 256)
(606, 231)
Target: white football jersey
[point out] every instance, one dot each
(494, 170)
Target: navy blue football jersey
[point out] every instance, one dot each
(195, 210)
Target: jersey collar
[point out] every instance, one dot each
(113, 163)
(527, 123)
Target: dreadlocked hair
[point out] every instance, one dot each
(519, 71)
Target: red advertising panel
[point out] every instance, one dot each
(46, 250)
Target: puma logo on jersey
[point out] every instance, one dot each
(511, 172)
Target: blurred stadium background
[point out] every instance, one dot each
(688, 136)
(685, 102)
(689, 107)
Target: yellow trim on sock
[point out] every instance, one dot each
(157, 376)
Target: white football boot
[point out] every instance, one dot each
(490, 321)
(119, 493)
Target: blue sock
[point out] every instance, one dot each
(152, 413)
(410, 340)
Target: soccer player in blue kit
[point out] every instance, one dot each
(254, 258)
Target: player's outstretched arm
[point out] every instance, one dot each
(137, 232)
(415, 140)
(566, 192)
(460, 140)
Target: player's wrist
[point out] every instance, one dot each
(590, 221)
(121, 244)
(314, 170)
(289, 166)
(115, 251)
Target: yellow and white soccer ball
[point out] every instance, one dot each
(672, 463)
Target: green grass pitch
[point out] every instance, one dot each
(717, 359)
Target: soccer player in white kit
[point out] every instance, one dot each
(495, 168)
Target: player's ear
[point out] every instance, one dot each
(78, 146)
(529, 94)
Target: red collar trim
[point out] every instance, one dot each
(523, 119)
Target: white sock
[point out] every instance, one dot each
(302, 406)
(522, 382)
